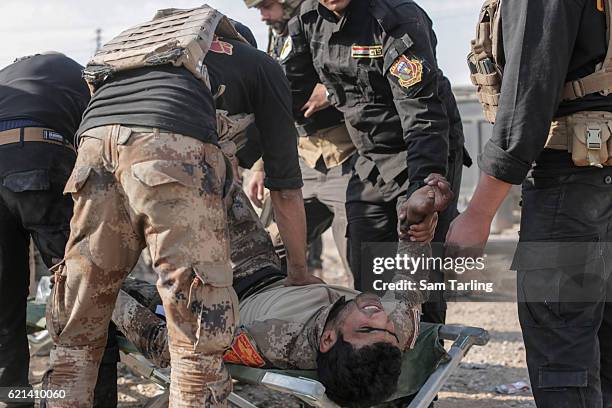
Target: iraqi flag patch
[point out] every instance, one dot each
(408, 71)
(367, 51)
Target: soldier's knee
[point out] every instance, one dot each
(216, 310)
(206, 320)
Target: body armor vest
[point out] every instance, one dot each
(173, 36)
(486, 62)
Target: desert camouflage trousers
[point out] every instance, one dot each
(135, 188)
(252, 253)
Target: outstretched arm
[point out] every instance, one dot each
(291, 220)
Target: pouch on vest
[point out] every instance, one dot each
(486, 62)
(486, 58)
(590, 142)
(586, 135)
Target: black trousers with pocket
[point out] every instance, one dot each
(564, 265)
(32, 179)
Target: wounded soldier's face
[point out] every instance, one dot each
(361, 322)
(359, 359)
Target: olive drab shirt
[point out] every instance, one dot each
(378, 64)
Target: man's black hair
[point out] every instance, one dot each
(360, 377)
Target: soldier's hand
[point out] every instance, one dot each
(418, 212)
(422, 232)
(298, 275)
(255, 188)
(317, 101)
(442, 190)
(302, 280)
(468, 235)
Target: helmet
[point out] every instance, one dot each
(290, 8)
(289, 5)
(255, 3)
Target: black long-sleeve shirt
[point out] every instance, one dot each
(385, 81)
(255, 84)
(46, 89)
(302, 85)
(546, 43)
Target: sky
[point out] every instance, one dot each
(69, 26)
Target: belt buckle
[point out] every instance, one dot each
(593, 138)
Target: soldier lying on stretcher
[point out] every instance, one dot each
(354, 340)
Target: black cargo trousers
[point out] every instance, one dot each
(32, 179)
(564, 265)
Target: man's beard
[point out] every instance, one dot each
(279, 27)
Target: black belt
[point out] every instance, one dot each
(245, 287)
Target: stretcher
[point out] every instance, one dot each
(425, 369)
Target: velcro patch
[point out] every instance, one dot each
(243, 352)
(408, 71)
(221, 47)
(367, 51)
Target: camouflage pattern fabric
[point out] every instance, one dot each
(136, 188)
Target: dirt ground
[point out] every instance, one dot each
(502, 361)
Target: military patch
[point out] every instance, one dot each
(221, 47)
(244, 351)
(287, 47)
(231, 357)
(408, 71)
(367, 51)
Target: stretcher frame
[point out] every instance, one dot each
(309, 391)
(312, 392)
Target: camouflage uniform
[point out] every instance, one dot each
(280, 326)
(137, 187)
(254, 261)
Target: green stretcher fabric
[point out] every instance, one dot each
(417, 364)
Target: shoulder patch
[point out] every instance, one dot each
(367, 51)
(287, 47)
(222, 47)
(244, 352)
(408, 71)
